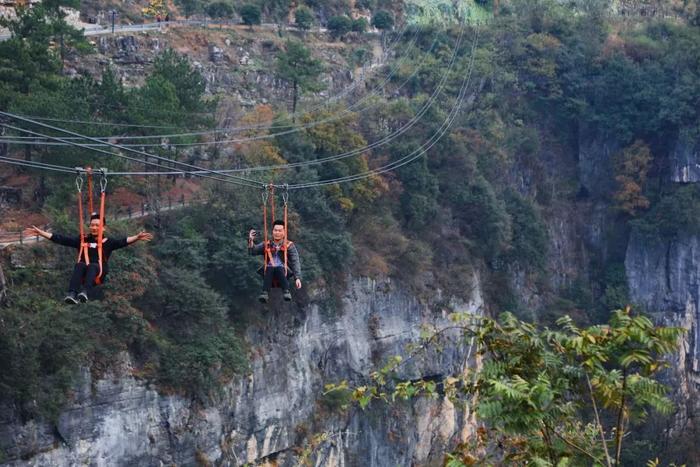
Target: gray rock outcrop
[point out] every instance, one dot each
(274, 412)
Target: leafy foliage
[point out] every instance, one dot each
(632, 166)
(296, 66)
(220, 10)
(545, 395)
(383, 20)
(303, 18)
(339, 26)
(250, 14)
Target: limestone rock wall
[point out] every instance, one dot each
(276, 412)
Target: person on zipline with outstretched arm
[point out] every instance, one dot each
(281, 261)
(87, 271)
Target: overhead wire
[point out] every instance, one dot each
(241, 180)
(35, 165)
(203, 171)
(355, 107)
(332, 99)
(386, 139)
(414, 154)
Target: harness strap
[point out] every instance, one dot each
(82, 249)
(286, 245)
(89, 189)
(100, 235)
(265, 197)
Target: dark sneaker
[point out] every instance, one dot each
(263, 297)
(287, 295)
(82, 296)
(70, 298)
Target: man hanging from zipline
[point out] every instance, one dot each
(281, 257)
(281, 261)
(91, 271)
(94, 249)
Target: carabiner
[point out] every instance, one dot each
(103, 180)
(79, 180)
(285, 194)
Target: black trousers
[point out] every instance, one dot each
(275, 273)
(83, 271)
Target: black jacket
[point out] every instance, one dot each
(293, 261)
(108, 246)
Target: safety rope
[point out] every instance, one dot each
(265, 197)
(91, 207)
(285, 245)
(82, 248)
(100, 232)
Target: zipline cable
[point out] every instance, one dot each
(294, 128)
(416, 153)
(332, 99)
(386, 168)
(385, 140)
(241, 180)
(202, 172)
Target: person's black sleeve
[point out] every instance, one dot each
(117, 243)
(65, 240)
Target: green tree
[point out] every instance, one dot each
(189, 7)
(25, 58)
(65, 33)
(360, 25)
(419, 196)
(383, 20)
(220, 10)
(296, 66)
(303, 18)
(188, 81)
(549, 397)
(250, 14)
(339, 26)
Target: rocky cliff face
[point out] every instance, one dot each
(277, 414)
(234, 62)
(663, 278)
(685, 159)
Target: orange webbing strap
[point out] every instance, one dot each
(82, 248)
(265, 197)
(89, 189)
(100, 232)
(285, 197)
(271, 200)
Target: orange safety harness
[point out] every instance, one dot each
(83, 251)
(268, 197)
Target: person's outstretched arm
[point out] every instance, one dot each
(56, 238)
(115, 244)
(141, 236)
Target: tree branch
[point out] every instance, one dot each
(619, 427)
(574, 445)
(597, 420)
